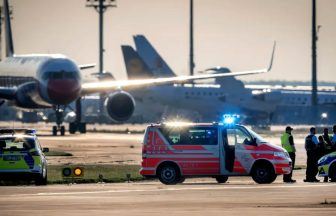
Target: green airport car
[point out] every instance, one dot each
(21, 156)
(327, 166)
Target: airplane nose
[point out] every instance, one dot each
(63, 91)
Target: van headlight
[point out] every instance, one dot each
(281, 154)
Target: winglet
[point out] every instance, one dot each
(272, 57)
(87, 66)
(8, 30)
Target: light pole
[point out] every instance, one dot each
(1, 19)
(101, 6)
(314, 61)
(191, 39)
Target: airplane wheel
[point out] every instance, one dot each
(82, 128)
(54, 130)
(72, 128)
(62, 130)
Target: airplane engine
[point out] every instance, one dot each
(120, 106)
(27, 96)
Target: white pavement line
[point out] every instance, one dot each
(177, 189)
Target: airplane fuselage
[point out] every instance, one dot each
(41, 81)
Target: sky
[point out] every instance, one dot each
(237, 34)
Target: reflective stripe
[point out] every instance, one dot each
(285, 142)
(20, 171)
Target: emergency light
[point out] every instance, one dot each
(230, 118)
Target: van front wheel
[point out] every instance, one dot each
(169, 175)
(221, 179)
(263, 174)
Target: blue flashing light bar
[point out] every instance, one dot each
(230, 118)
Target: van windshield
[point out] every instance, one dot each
(259, 138)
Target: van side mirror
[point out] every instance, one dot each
(254, 141)
(44, 150)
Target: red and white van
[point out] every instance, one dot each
(174, 151)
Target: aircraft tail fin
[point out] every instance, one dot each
(135, 66)
(152, 58)
(8, 30)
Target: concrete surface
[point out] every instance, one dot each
(194, 197)
(201, 196)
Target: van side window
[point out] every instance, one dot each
(238, 136)
(203, 136)
(191, 135)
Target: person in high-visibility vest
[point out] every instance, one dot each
(287, 142)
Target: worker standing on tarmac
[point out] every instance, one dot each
(333, 139)
(327, 140)
(287, 142)
(311, 146)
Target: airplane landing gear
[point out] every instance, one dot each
(75, 126)
(78, 125)
(59, 120)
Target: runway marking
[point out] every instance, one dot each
(176, 189)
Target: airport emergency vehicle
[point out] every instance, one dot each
(21, 156)
(327, 166)
(174, 151)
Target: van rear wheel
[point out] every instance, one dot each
(221, 179)
(169, 175)
(263, 173)
(181, 180)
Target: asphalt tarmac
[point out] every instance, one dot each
(240, 196)
(200, 196)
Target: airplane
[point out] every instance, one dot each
(156, 64)
(288, 99)
(42, 81)
(191, 97)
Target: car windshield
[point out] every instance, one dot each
(259, 138)
(17, 143)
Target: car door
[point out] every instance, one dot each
(237, 144)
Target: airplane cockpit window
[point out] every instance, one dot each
(59, 75)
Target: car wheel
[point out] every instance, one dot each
(263, 174)
(332, 172)
(169, 175)
(43, 177)
(221, 179)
